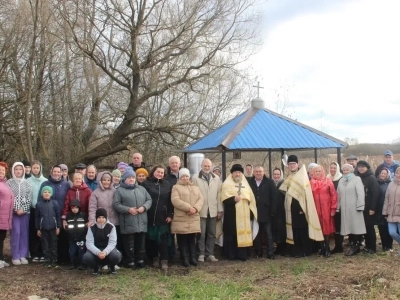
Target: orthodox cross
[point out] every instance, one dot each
(240, 186)
(258, 88)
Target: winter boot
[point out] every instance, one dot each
(156, 262)
(192, 254)
(184, 255)
(338, 244)
(327, 248)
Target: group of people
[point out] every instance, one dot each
(130, 214)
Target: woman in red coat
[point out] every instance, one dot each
(325, 198)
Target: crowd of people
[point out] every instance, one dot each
(133, 215)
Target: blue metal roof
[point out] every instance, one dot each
(262, 129)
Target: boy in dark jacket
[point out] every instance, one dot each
(76, 229)
(48, 224)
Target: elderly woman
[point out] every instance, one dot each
(141, 175)
(187, 201)
(6, 209)
(384, 179)
(132, 202)
(325, 198)
(335, 175)
(160, 215)
(391, 207)
(279, 220)
(351, 204)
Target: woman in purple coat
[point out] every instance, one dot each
(6, 209)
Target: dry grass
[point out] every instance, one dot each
(360, 277)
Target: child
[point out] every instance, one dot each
(101, 240)
(22, 191)
(48, 223)
(76, 229)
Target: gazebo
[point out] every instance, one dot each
(260, 129)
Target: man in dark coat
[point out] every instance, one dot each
(137, 161)
(266, 195)
(371, 187)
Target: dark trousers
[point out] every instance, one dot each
(302, 243)
(35, 245)
(161, 248)
(186, 243)
(3, 234)
(76, 251)
(63, 247)
(355, 239)
(266, 230)
(134, 246)
(120, 243)
(386, 239)
(49, 244)
(112, 259)
(171, 247)
(370, 236)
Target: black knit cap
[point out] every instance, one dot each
(75, 202)
(293, 158)
(26, 163)
(237, 167)
(101, 212)
(363, 163)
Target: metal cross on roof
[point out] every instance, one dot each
(258, 88)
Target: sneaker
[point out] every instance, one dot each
(36, 259)
(211, 258)
(16, 262)
(112, 271)
(48, 264)
(105, 267)
(42, 259)
(95, 271)
(24, 261)
(117, 268)
(2, 262)
(391, 250)
(201, 258)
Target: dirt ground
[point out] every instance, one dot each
(364, 276)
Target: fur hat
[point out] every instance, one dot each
(101, 212)
(293, 158)
(184, 172)
(237, 167)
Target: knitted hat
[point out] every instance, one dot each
(184, 172)
(75, 202)
(237, 167)
(26, 163)
(101, 212)
(142, 171)
(363, 163)
(47, 188)
(63, 167)
(348, 166)
(116, 172)
(122, 165)
(293, 158)
(128, 173)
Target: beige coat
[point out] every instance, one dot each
(183, 197)
(211, 194)
(391, 207)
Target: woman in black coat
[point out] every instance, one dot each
(159, 216)
(279, 219)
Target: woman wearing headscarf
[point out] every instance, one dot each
(391, 207)
(22, 190)
(279, 220)
(6, 209)
(325, 198)
(351, 204)
(384, 180)
(335, 175)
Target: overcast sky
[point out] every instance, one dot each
(339, 62)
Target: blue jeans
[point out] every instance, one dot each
(76, 251)
(394, 229)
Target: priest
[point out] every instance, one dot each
(240, 225)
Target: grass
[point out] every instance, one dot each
(338, 277)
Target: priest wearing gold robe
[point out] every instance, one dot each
(240, 225)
